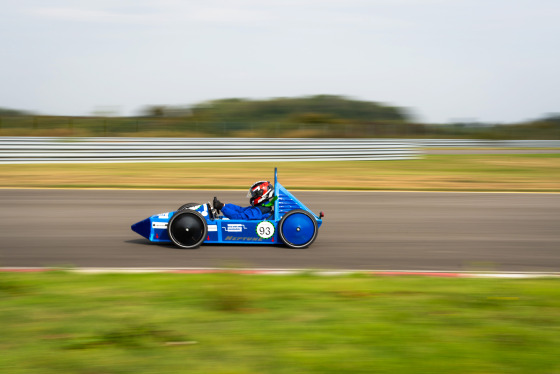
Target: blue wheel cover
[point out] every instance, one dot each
(291, 225)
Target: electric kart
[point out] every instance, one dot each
(291, 223)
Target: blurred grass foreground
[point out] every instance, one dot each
(63, 322)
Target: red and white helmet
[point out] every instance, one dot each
(260, 192)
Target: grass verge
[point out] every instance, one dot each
(230, 323)
(529, 172)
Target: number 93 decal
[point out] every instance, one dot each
(265, 229)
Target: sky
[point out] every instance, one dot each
(494, 61)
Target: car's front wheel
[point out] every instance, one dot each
(187, 229)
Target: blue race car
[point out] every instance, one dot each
(291, 223)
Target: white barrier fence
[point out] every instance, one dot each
(14, 150)
(19, 150)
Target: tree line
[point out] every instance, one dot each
(310, 116)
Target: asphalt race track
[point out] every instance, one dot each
(361, 230)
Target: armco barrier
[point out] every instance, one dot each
(18, 150)
(57, 150)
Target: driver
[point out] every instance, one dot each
(261, 199)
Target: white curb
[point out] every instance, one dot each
(425, 273)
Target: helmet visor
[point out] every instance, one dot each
(257, 193)
(255, 190)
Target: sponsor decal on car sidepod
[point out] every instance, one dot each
(234, 227)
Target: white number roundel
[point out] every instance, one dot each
(265, 229)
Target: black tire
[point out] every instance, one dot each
(298, 229)
(187, 205)
(187, 229)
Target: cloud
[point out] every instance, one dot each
(168, 13)
(228, 15)
(305, 12)
(90, 15)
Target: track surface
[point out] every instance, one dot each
(361, 230)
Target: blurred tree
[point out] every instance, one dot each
(153, 111)
(279, 109)
(13, 112)
(552, 118)
(315, 118)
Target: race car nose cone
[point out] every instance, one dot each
(143, 228)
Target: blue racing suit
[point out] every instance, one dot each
(233, 211)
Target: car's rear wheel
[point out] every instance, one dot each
(187, 229)
(298, 228)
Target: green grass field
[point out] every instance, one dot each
(62, 322)
(529, 172)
